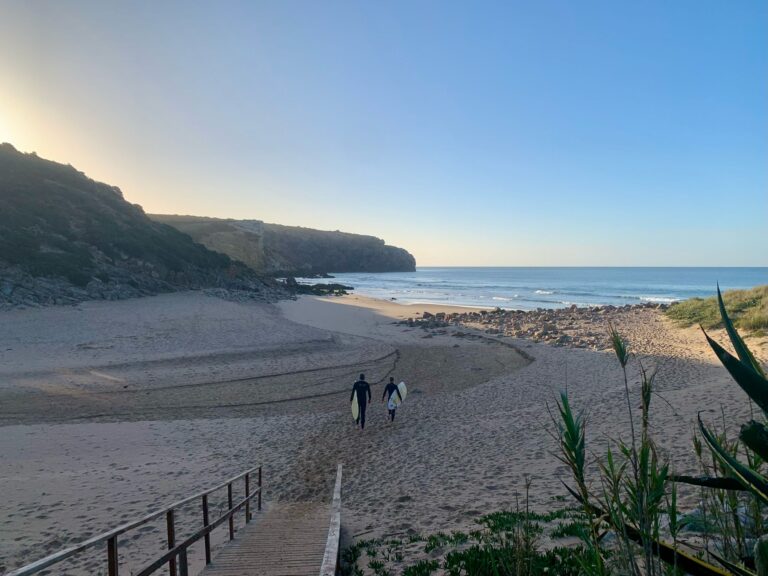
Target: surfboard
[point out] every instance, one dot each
(355, 407)
(396, 400)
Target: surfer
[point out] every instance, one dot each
(390, 389)
(363, 391)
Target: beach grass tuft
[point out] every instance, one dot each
(747, 308)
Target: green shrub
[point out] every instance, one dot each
(422, 568)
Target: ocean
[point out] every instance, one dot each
(526, 288)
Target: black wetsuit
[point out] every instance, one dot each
(363, 397)
(390, 389)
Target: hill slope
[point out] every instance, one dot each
(66, 238)
(276, 249)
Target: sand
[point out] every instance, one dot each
(109, 409)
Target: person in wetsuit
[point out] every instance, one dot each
(363, 397)
(390, 389)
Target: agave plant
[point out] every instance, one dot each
(750, 376)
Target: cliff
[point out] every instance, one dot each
(66, 238)
(279, 250)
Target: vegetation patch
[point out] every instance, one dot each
(747, 308)
(507, 543)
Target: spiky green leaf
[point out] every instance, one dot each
(710, 482)
(746, 476)
(742, 351)
(619, 347)
(755, 435)
(735, 568)
(750, 381)
(572, 437)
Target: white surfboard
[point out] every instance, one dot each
(397, 400)
(355, 407)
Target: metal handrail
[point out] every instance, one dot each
(111, 536)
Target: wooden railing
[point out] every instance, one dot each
(176, 557)
(331, 557)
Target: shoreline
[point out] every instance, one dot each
(529, 288)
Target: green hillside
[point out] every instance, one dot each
(56, 223)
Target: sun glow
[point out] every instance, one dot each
(5, 131)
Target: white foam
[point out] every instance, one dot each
(662, 299)
(544, 292)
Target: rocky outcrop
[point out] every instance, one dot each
(65, 238)
(331, 289)
(291, 250)
(575, 327)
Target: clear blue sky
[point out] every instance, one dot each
(475, 133)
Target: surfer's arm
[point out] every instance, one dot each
(369, 394)
(398, 394)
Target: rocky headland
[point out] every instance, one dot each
(280, 250)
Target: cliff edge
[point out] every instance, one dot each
(291, 250)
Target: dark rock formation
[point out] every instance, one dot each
(332, 289)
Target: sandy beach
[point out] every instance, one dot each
(110, 409)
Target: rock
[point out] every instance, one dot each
(6, 289)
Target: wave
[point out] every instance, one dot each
(544, 292)
(660, 299)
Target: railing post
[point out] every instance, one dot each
(183, 564)
(208, 535)
(232, 516)
(259, 488)
(247, 501)
(171, 540)
(112, 556)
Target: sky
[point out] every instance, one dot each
(470, 133)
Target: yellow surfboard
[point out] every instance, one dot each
(355, 407)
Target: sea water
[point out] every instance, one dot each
(525, 288)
